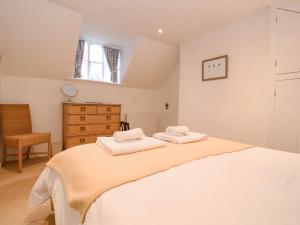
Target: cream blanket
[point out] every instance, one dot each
(87, 171)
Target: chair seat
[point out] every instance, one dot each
(27, 139)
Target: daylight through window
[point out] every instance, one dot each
(94, 64)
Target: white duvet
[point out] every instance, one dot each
(257, 186)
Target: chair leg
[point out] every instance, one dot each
(49, 149)
(28, 152)
(51, 204)
(20, 159)
(4, 155)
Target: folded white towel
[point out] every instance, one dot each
(129, 135)
(177, 130)
(189, 137)
(116, 148)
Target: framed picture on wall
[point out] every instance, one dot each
(215, 68)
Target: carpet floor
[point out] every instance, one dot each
(14, 192)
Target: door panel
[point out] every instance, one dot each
(286, 133)
(93, 119)
(287, 42)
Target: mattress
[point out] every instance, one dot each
(255, 186)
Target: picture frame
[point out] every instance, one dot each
(215, 68)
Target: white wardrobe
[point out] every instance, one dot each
(287, 37)
(286, 119)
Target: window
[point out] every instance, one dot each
(94, 63)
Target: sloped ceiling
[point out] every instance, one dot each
(150, 64)
(39, 38)
(180, 19)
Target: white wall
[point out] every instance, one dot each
(236, 108)
(45, 98)
(169, 94)
(1, 86)
(39, 38)
(126, 56)
(1, 55)
(150, 64)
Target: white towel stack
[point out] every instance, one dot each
(117, 148)
(180, 135)
(177, 130)
(125, 142)
(130, 135)
(190, 137)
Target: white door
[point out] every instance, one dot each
(287, 42)
(286, 134)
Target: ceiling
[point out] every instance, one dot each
(119, 20)
(32, 42)
(150, 64)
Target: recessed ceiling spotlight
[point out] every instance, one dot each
(160, 31)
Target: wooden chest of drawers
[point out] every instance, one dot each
(83, 123)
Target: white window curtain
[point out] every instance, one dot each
(112, 57)
(78, 59)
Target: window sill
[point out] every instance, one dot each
(95, 81)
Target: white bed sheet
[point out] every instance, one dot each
(257, 186)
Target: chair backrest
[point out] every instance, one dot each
(124, 126)
(15, 119)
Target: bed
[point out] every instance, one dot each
(252, 186)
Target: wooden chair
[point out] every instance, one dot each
(17, 132)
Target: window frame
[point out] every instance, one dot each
(103, 64)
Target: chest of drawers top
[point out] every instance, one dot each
(91, 109)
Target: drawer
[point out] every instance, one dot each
(77, 109)
(111, 128)
(91, 119)
(86, 129)
(74, 130)
(80, 140)
(106, 109)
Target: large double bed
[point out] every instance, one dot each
(246, 186)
